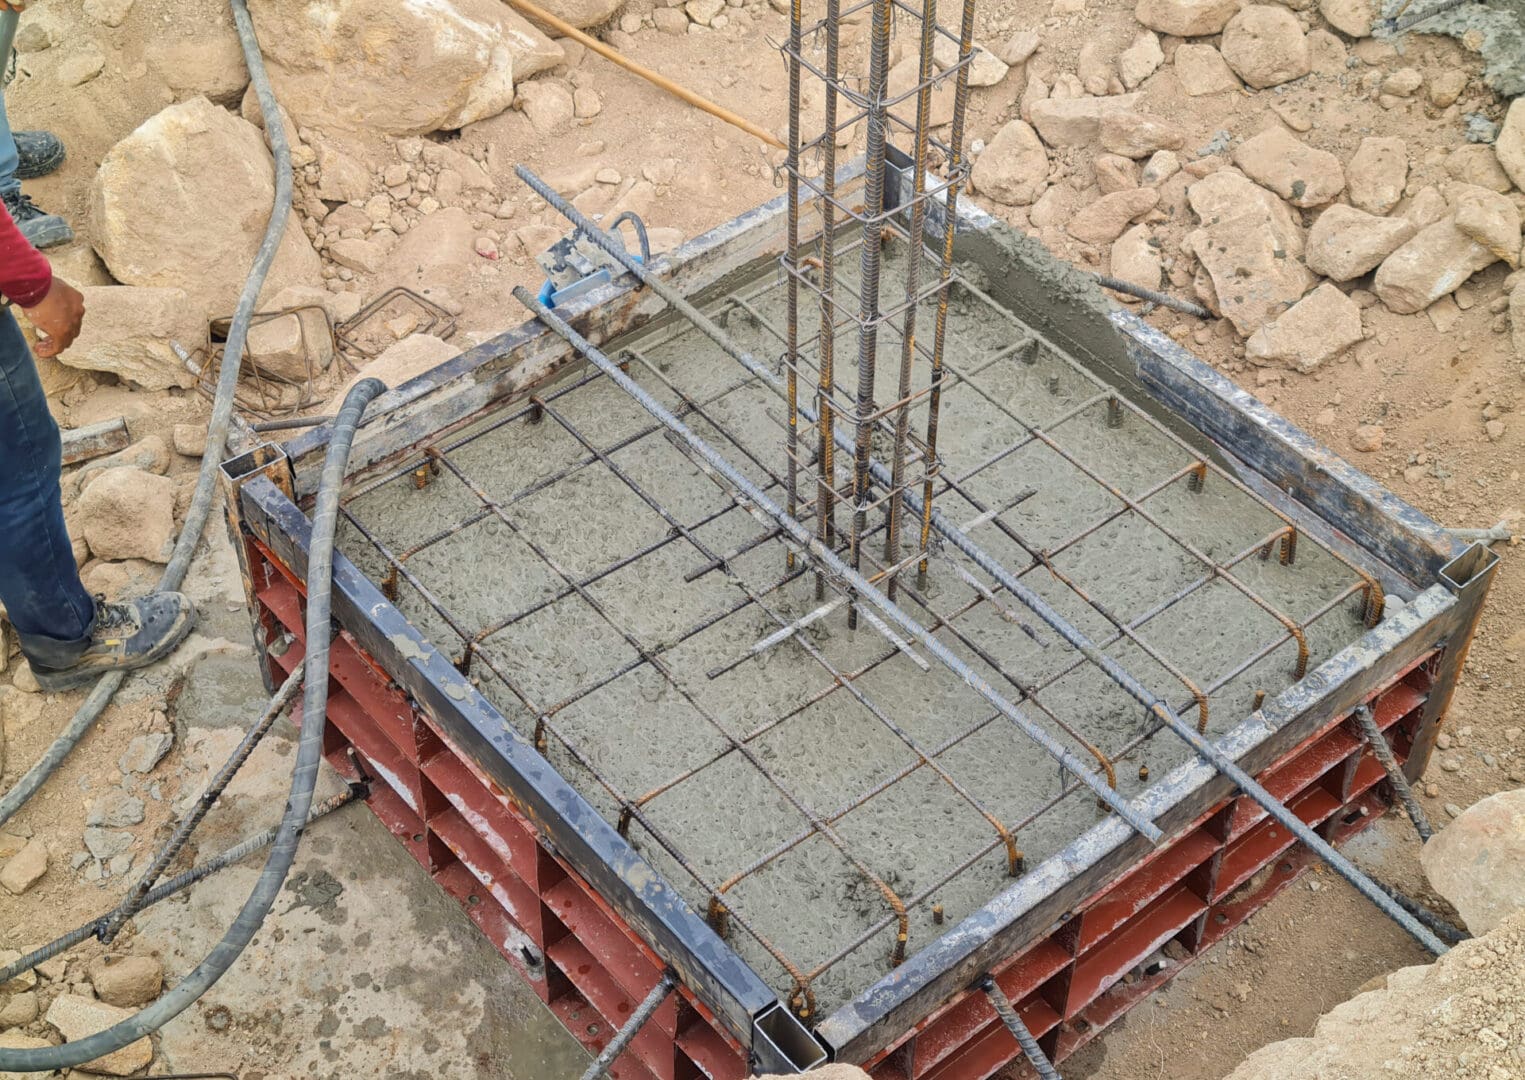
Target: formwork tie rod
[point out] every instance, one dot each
(1384, 754)
(1009, 1016)
(632, 1027)
(1003, 576)
(839, 570)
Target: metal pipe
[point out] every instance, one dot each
(632, 1027)
(1009, 1016)
(833, 564)
(1382, 750)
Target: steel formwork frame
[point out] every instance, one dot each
(1425, 634)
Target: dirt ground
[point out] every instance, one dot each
(1429, 384)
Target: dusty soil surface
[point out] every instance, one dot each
(1430, 382)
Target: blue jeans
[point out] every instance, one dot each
(39, 583)
(9, 158)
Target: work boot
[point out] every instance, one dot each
(42, 230)
(125, 636)
(40, 152)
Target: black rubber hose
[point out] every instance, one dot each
(304, 777)
(217, 429)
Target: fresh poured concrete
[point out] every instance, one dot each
(813, 750)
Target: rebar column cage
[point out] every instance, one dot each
(897, 116)
(1051, 925)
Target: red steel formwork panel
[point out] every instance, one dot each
(579, 956)
(592, 969)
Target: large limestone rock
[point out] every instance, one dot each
(1136, 258)
(75, 1017)
(1076, 121)
(128, 514)
(1201, 69)
(1135, 135)
(1316, 329)
(582, 13)
(1299, 173)
(1227, 193)
(1265, 46)
(128, 330)
(379, 66)
(1435, 263)
(1186, 18)
(1476, 163)
(1489, 218)
(1255, 277)
(1345, 243)
(1353, 17)
(1510, 145)
(1106, 219)
(1478, 861)
(1378, 173)
(1457, 1017)
(182, 203)
(1014, 167)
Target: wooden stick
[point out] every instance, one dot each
(540, 15)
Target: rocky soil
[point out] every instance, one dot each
(1348, 208)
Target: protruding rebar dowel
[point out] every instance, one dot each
(869, 253)
(1383, 752)
(1009, 1016)
(945, 271)
(792, 270)
(912, 286)
(638, 1019)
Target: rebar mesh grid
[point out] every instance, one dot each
(676, 603)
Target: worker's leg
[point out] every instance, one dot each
(69, 638)
(39, 584)
(25, 155)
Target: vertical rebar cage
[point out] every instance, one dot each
(1060, 934)
(856, 224)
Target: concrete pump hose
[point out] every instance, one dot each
(217, 430)
(304, 776)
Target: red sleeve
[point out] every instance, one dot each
(25, 276)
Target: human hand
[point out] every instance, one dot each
(58, 315)
(13, 5)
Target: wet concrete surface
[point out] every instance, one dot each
(730, 767)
